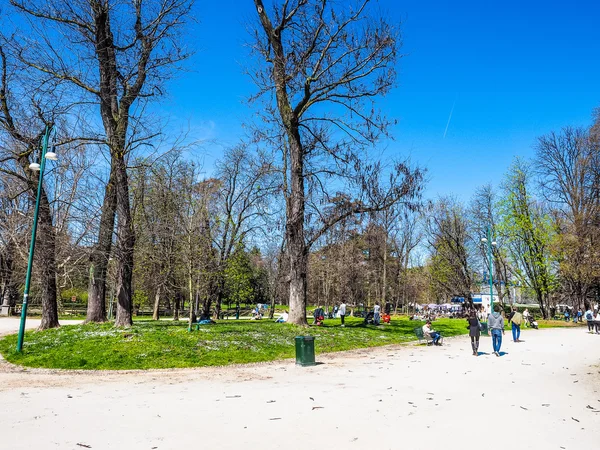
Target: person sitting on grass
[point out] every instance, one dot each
(319, 316)
(435, 335)
(282, 318)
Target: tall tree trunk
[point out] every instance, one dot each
(297, 248)
(155, 314)
(96, 309)
(46, 252)
(46, 243)
(384, 275)
(177, 303)
(219, 297)
(6, 274)
(125, 243)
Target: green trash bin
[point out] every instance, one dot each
(484, 328)
(305, 351)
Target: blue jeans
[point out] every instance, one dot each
(516, 330)
(496, 339)
(435, 336)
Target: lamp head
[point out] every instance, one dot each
(51, 155)
(494, 243)
(484, 240)
(34, 166)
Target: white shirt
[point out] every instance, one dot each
(427, 328)
(342, 309)
(376, 309)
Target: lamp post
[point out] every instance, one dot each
(35, 166)
(488, 240)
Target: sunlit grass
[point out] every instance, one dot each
(167, 344)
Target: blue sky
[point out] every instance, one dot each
(513, 71)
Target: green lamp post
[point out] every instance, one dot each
(37, 166)
(488, 240)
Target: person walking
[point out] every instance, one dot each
(589, 316)
(474, 331)
(342, 312)
(597, 322)
(516, 318)
(496, 327)
(526, 317)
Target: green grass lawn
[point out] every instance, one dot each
(166, 344)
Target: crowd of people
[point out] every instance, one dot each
(475, 317)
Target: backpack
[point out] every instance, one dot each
(589, 316)
(517, 318)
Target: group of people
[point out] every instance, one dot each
(495, 323)
(319, 314)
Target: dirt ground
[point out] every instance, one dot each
(544, 393)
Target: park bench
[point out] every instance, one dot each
(423, 337)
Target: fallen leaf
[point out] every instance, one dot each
(84, 445)
(275, 418)
(576, 420)
(317, 407)
(522, 407)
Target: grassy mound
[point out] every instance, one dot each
(166, 344)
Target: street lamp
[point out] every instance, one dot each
(490, 243)
(37, 166)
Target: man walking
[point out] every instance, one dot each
(589, 316)
(496, 325)
(516, 318)
(342, 311)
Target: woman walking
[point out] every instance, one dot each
(474, 332)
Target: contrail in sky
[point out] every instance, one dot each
(449, 118)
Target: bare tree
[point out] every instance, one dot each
(116, 54)
(19, 145)
(247, 184)
(322, 65)
(448, 237)
(484, 212)
(568, 167)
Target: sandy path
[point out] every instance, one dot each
(10, 325)
(541, 391)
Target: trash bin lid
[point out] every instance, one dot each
(305, 338)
